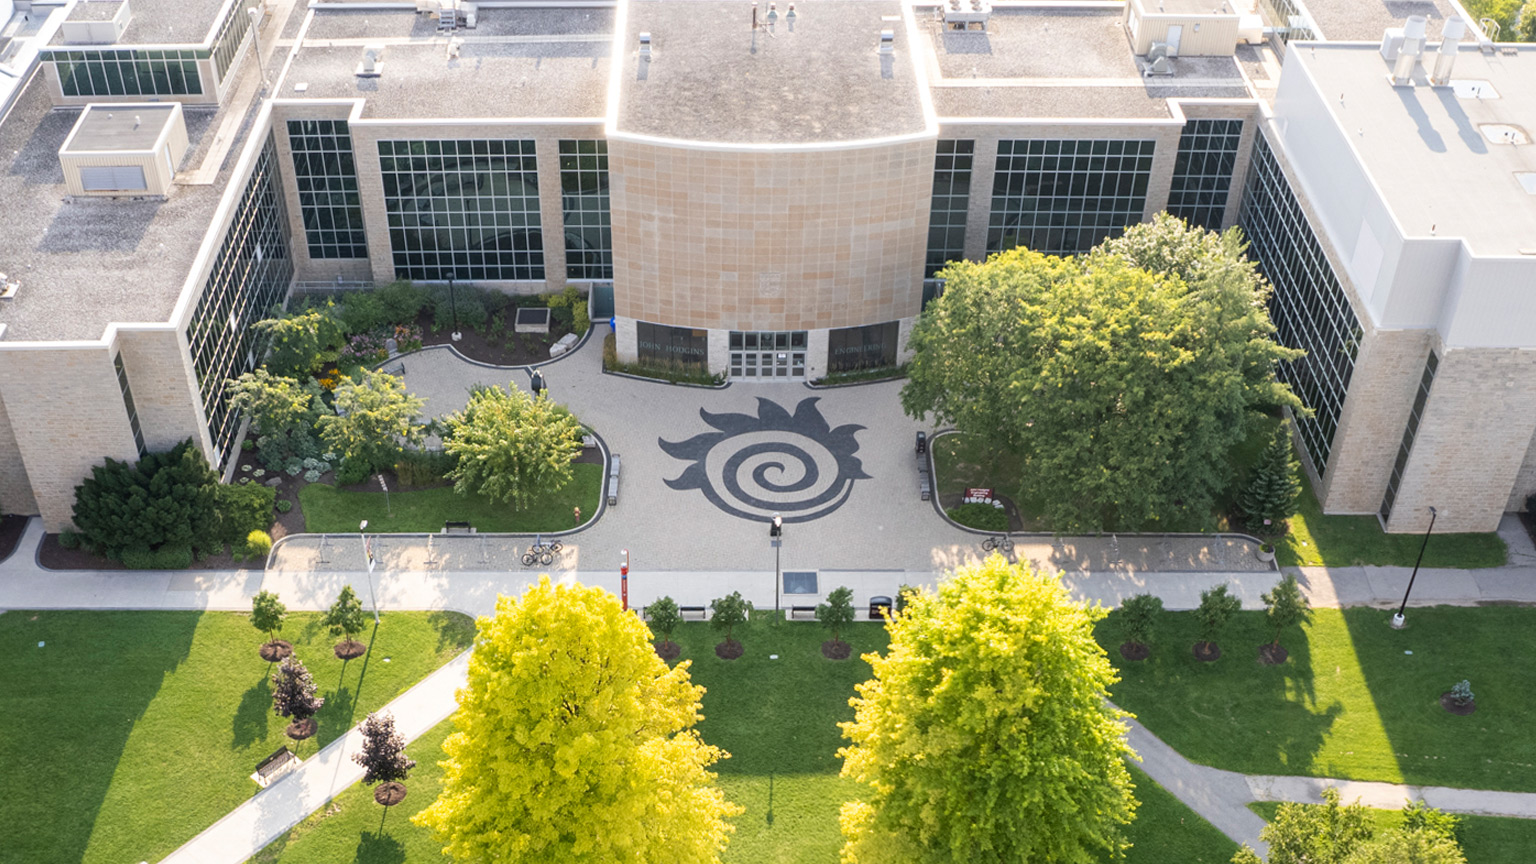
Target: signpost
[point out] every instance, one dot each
(624, 581)
(977, 495)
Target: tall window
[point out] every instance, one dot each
(951, 202)
(133, 413)
(127, 72)
(463, 209)
(249, 277)
(1202, 172)
(326, 176)
(1064, 197)
(584, 201)
(1410, 432)
(1308, 307)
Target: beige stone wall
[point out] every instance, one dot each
(1472, 440)
(67, 414)
(1525, 480)
(15, 488)
(165, 393)
(769, 240)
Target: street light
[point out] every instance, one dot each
(624, 581)
(453, 303)
(368, 557)
(256, 37)
(776, 539)
(1398, 620)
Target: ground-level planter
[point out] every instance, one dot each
(389, 794)
(1460, 709)
(275, 651)
(1266, 552)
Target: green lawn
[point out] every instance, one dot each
(1346, 541)
(778, 720)
(1484, 839)
(329, 510)
(1349, 702)
(127, 733)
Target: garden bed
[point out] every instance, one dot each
(498, 345)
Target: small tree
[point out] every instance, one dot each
(345, 618)
(267, 615)
(1216, 608)
(374, 419)
(298, 340)
(1269, 499)
(1401, 846)
(383, 758)
(1285, 606)
(1317, 833)
(1418, 815)
(837, 612)
(1138, 615)
(510, 447)
(664, 617)
(726, 612)
(293, 695)
(283, 414)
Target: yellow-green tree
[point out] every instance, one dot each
(984, 734)
(574, 742)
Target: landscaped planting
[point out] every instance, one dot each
(1347, 541)
(1484, 839)
(124, 734)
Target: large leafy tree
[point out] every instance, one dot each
(283, 413)
(984, 734)
(300, 342)
(574, 742)
(165, 499)
(375, 418)
(1122, 378)
(511, 447)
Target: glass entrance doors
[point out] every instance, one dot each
(757, 354)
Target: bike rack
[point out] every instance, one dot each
(320, 557)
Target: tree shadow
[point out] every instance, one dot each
(454, 630)
(379, 848)
(252, 715)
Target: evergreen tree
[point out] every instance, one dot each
(165, 499)
(1270, 496)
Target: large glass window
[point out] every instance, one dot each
(463, 209)
(127, 72)
(133, 413)
(1064, 197)
(1410, 432)
(660, 345)
(231, 34)
(1308, 306)
(250, 274)
(326, 177)
(1202, 172)
(951, 202)
(850, 348)
(584, 201)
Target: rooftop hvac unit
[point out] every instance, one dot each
(967, 14)
(372, 64)
(96, 22)
(8, 287)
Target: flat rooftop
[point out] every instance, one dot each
(94, 10)
(115, 128)
(822, 81)
(1038, 43)
(154, 22)
(84, 263)
(1426, 148)
(1366, 20)
(516, 63)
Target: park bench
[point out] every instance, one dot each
(613, 480)
(802, 613)
(693, 613)
(924, 484)
(458, 528)
(275, 767)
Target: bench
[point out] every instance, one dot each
(275, 767)
(562, 345)
(796, 612)
(924, 484)
(458, 528)
(397, 369)
(693, 613)
(613, 480)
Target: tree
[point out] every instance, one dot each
(374, 419)
(383, 758)
(1285, 606)
(1317, 833)
(985, 733)
(510, 447)
(574, 742)
(837, 612)
(728, 611)
(1138, 615)
(1525, 31)
(1419, 815)
(165, 499)
(283, 414)
(1269, 499)
(346, 618)
(267, 615)
(1122, 379)
(1216, 608)
(664, 617)
(299, 341)
(1402, 846)
(293, 695)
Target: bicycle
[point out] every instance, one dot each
(1002, 543)
(541, 552)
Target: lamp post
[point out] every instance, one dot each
(453, 304)
(368, 557)
(1399, 620)
(776, 539)
(624, 581)
(256, 37)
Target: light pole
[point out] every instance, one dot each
(453, 303)
(1399, 620)
(776, 539)
(624, 581)
(368, 557)
(256, 37)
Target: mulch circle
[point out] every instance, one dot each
(1135, 651)
(389, 794)
(1450, 705)
(350, 649)
(275, 650)
(298, 730)
(834, 649)
(1207, 652)
(668, 651)
(1272, 655)
(730, 649)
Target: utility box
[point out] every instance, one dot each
(124, 150)
(100, 22)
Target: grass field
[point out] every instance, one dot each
(1347, 541)
(328, 510)
(1484, 839)
(778, 719)
(127, 733)
(1350, 702)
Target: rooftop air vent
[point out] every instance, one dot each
(8, 287)
(645, 46)
(887, 41)
(1445, 59)
(967, 14)
(372, 64)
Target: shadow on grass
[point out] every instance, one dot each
(453, 629)
(379, 848)
(252, 716)
(341, 704)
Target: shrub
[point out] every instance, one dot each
(311, 476)
(1461, 694)
(176, 557)
(402, 301)
(1138, 615)
(301, 342)
(676, 374)
(363, 311)
(983, 517)
(258, 544)
(352, 471)
(247, 445)
(69, 540)
(579, 314)
(163, 499)
(1418, 816)
(423, 467)
(467, 299)
(562, 316)
(284, 505)
(374, 417)
(242, 509)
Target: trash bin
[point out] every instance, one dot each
(879, 606)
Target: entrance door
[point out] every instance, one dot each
(1175, 33)
(759, 354)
